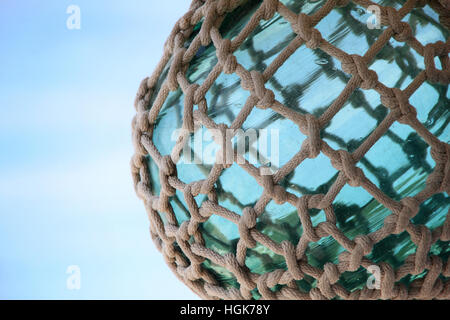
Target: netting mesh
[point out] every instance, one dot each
(183, 245)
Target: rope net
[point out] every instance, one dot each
(183, 245)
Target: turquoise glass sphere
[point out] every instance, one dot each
(308, 82)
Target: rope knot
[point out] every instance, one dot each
(440, 152)
(266, 96)
(270, 7)
(167, 166)
(240, 272)
(141, 123)
(331, 272)
(291, 260)
(314, 143)
(410, 208)
(182, 232)
(185, 21)
(441, 155)
(192, 205)
(407, 111)
(315, 201)
(247, 222)
(143, 95)
(206, 209)
(387, 283)
(346, 164)
(363, 246)
(396, 100)
(166, 169)
(269, 280)
(402, 30)
(315, 294)
(279, 195)
(357, 66)
(226, 57)
(348, 65)
(389, 100)
(141, 105)
(303, 27)
(305, 219)
(421, 236)
(329, 277)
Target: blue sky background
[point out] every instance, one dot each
(66, 194)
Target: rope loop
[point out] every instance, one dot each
(363, 246)
(438, 49)
(303, 27)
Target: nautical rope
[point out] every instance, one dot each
(183, 246)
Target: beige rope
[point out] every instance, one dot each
(183, 245)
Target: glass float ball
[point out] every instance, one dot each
(309, 82)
